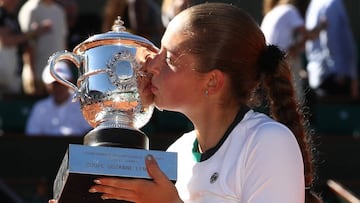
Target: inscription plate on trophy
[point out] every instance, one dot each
(82, 164)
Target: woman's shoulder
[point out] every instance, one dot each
(256, 124)
(260, 128)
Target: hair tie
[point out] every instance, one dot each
(270, 58)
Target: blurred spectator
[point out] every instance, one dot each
(12, 43)
(301, 5)
(170, 8)
(113, 9)
(145, 19)
(74, 37)
(284, 26)
(80, 25)
(141, 17)
(332, 58)
(57, 114)
(32, 14)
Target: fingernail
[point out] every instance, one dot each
(104, 197)
(92, 190)
(149, 157)
(97, 181)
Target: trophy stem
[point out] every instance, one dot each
(117, 137)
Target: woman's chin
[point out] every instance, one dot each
(158, 105)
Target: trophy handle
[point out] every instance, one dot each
(64, 55)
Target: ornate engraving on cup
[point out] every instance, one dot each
(119, 103)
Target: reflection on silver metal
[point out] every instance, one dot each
(112, 83)
(118, 25)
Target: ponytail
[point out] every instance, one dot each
(277, 82)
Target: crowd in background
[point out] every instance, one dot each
(323, 59)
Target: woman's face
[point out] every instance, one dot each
(175, 84)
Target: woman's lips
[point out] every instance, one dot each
(153, 88)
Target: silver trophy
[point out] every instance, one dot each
(112, 86)
(113, 90)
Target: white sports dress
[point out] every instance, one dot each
(258, 161)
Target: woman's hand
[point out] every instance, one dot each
(158, 190)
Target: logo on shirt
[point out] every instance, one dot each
(214, 177)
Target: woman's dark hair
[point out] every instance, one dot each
(226, 38)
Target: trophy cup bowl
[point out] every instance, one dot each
(112, 86)
(115, 98)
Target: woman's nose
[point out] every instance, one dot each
(152, 65)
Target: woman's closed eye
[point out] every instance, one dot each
(169, 60)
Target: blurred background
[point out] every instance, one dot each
(28, 164)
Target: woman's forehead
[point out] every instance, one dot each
(174, 37)
(178, 20)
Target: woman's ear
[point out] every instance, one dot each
(215, 81)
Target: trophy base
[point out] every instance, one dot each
(117, 137)
(76, 192)
(107, 152)
(83, 164)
